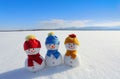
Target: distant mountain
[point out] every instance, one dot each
(91, 28)
(66, 28)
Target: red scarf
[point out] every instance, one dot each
(35, 58)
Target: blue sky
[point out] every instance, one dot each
(27, 14)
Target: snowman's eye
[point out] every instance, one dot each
(55, 36)
(33, 48)
(49, 45)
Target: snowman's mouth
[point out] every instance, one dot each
(33, 52)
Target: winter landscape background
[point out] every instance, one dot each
(99, 56)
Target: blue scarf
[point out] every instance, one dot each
(55, 53)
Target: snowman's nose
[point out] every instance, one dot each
(32, 50)
(53, 46)
(71, 46)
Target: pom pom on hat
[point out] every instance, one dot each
(31, 42)
(30, 37)
(51, 33)
(72, 35)
(71, 39)
(52, 39)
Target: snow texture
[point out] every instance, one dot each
(99, 53)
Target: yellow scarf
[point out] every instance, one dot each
(72, 53)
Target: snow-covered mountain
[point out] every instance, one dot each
(99, 56)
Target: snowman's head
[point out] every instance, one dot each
(71, 46)
(32, 51)
(71, 42)
(52, 42)
(32, 45)
(52, 46)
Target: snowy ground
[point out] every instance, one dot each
(99, 52)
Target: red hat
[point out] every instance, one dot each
(31, 43)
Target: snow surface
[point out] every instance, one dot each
(99, 56)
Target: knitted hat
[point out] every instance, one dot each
(52, 39)
(31, 42)
(72, 39)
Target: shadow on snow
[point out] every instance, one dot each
(23, 73)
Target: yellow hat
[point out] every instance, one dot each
(72, 39)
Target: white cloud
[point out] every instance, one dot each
(107, 24)
(59, 23)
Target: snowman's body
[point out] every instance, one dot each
(71, 62)
(53, 57)
(36, 65)
(71, 57)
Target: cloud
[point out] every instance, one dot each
(107, 24)
(59, 23)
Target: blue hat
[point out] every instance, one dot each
(52, 39)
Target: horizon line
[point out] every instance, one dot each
(23, 30)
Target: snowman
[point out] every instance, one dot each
(71, 57)
(53, 56)
(35, 61)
